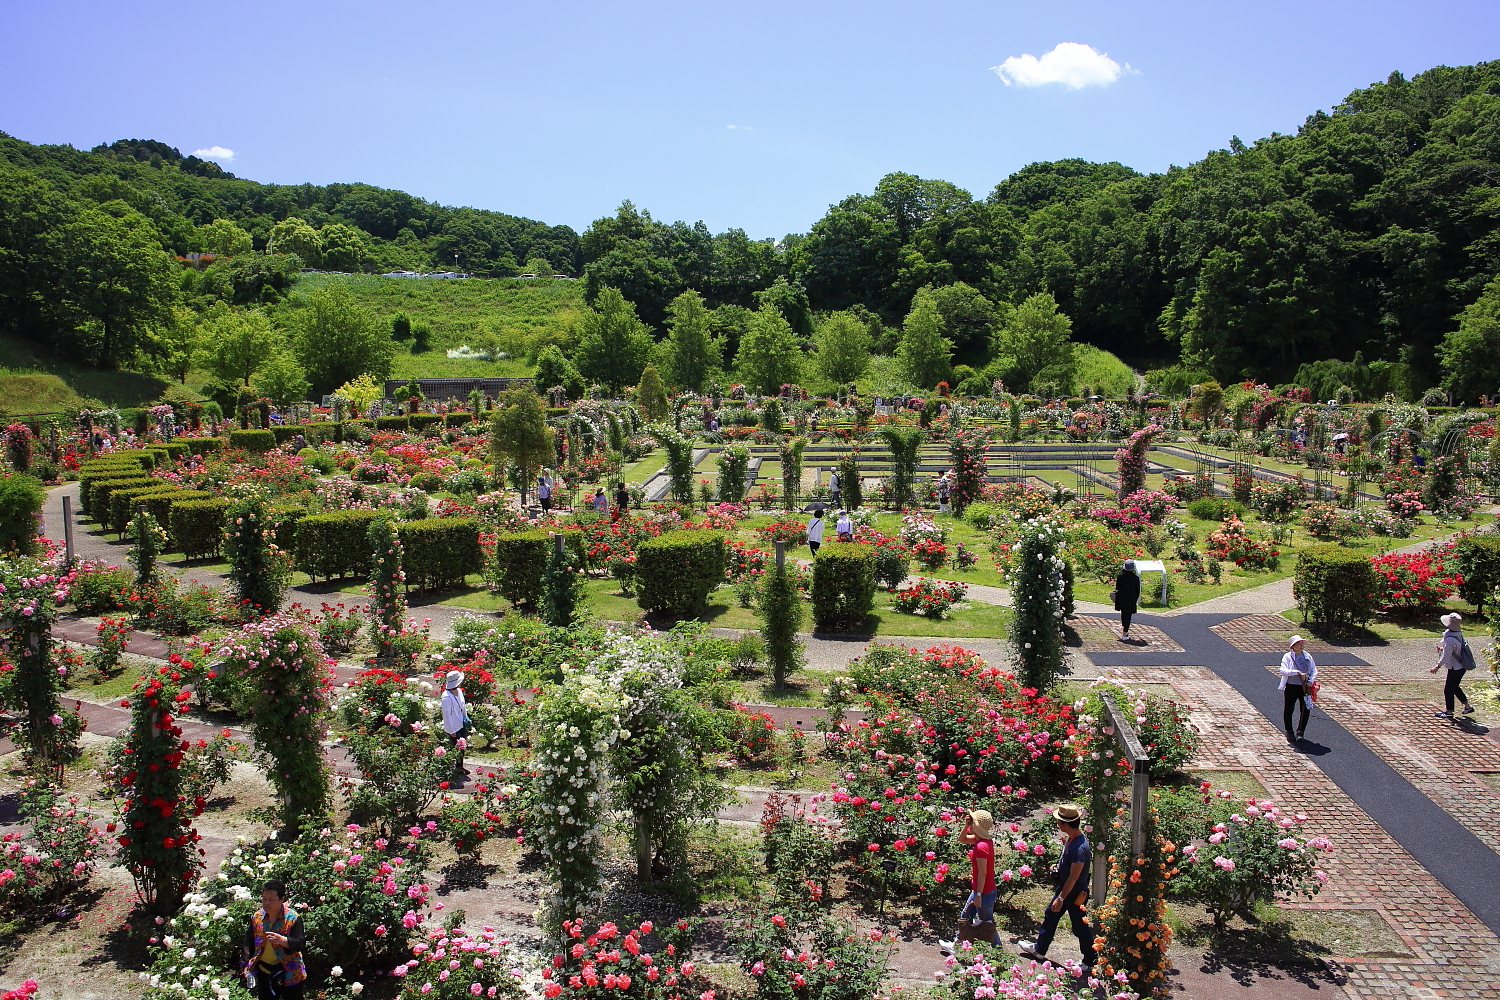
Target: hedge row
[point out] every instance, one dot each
(197, 526)
(440, 551)
(206, 446)
(334, 544)
(1478, 560)
(122, 503)
(678, 570)
(284, 518)
(1336, 587)
(256, 441)
(98, 491)
(843, 586)
(516, 568)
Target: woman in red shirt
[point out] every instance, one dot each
(979, 908)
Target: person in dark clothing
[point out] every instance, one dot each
(1070, 890)
(1298, 672)
(1127, 595)
(622, 501)
(272, 949)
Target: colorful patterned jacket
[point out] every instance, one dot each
(290, 956)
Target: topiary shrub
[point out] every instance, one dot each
(256, 441)
(159, 506)
(457, 419)
(420, 421)
(678, 570)
(98, 491)
(392, 424)
(283, 518)
(1477, 558)
(843, 586)
(440, 551)
(21, 497)
(1336, 587)
(334, 544)
(206, 446)
(427, 482)
(196, 527)
(122, 502)
(515, 570)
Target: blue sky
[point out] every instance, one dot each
(558, 111)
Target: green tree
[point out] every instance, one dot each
(344, 247)
(1471, 353)
(769, 354)
(1035, 338)
(691, 351)
(281, 379)
(925, 353)
(520, 439)
(222, 237)
(843, 347)
(292, 235)
(337, 339)
(236, 344)
(552, 368)
(789, 299)
(180, 344)
(651, 395)
(969, 319)
(613, 345)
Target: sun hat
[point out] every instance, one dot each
(1292, 642)
(453, 679)
(1069, 814)
(1451, 619)
(982, 821)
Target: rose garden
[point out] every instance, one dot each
(705, 763)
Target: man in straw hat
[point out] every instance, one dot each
(979, 908)
(1070, 889)
(1453, 653)
(455, 723)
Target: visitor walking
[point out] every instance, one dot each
(456, 723)
(599, 501)
(1070, 890)
(271, 954)
(1455, 654)
(815, 530)
(622, 501)
(1126, 595)
(944, 492)
(833, 488)
(1298, 674)
(844, 527)
(544, 492)
(979, 907)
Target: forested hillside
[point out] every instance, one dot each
(1338, 256)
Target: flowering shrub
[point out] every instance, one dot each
(1153, 503)
(454, 964)
(917, 527)
(1233, 542)
(1405, 504)
(784, 530)
(1122, 518)
(741, 561)
(929, 598)
(930, 554)
(971, 975)
(111, 636)
(400, 756)
(1255, 854)
(1416, 579)
(1325, 521)
(964, 558)
(753, 733)
(805, 952)
(57, 854)
(609, 962)
(287, 682)
(1130, 461)
(339, 626)
(1102, 558)
(1277, 500)
(468, 821)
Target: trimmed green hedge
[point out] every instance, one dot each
(1478, 560)
(843, 586)
(515, 570)
(678, 570)
(457, 419)
(197, 526)
(285, 517)
(284, 432)
(122, 503)
(21, 497)
(440, 551)
(1336, 587)
(206, 446)
(392, 424)
(159, 506)
(420, 421)
(334, 544)
(256, 441)
(87, 477)
(99, 490)
(322, 430)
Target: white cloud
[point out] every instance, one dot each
(740, 128)
(215, 153)
(1072, 64)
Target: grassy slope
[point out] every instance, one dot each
(35, 382)
(462, 312)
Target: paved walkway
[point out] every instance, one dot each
(1383, 780)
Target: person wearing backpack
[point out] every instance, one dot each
(1455, 654)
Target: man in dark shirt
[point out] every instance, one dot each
(1070, 889)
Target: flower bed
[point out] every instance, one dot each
(929, 598)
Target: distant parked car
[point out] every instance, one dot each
(525, 276)
(563, 277)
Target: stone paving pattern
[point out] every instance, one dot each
(1250, 635)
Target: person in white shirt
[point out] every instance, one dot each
(833, 487)
(1298, 672)
(544, 492)
(455, 723)
(815, 530)
(845, 527)
(1450, 654)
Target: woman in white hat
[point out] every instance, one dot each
(1298, 671)
(455, 723)
(1453, 653)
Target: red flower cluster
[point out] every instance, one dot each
(1416, 579)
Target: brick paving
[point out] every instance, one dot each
(1249, 634)
(1100, 634)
